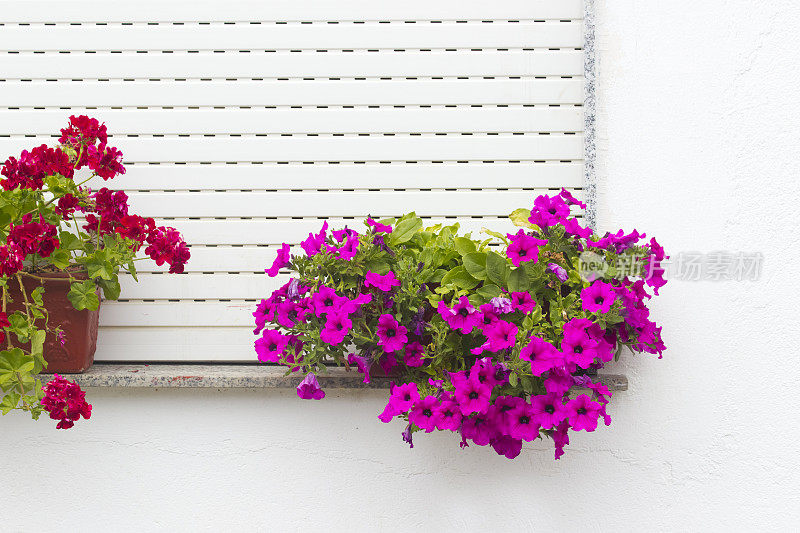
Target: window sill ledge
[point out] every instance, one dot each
(237, 376)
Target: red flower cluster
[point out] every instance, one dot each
(65, 401)
(167, 245)
(32, 167)
(34, 238)
(83, 130)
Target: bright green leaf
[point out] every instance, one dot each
(83, 295)
(496, 268)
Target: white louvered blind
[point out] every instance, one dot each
(244, 124)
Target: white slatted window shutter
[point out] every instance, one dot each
(244, 124)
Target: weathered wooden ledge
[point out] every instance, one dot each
(237, 376)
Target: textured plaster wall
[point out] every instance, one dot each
(697, 144)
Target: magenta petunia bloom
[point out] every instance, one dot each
(501, 335)
(548, 410)
(523, 248)
(401, 399)
(542, 355)
(383, 283)
(499, 411)
(379, 228)
(571, 200)
(270, 346)
(351, 306)
(362, 363)
(472, 396)
(548, 211)
(489, 316)
(347, 241)
(449, 416)
(291, 313)
(391, 335)
(561, 438)
(522, 424)
(462, 316)
(560, 273)
(572, 227)
(313, 244)
(523, 302)
(579, 348)
(325, 300)
(478, 428)
(425, 413)
(500, 305)
(414, 353)
(507, 446)
(309, 388)
(559, 381)
(583, 413)
(485, 371)
(598, 297)
(337, 326)
(280, 261)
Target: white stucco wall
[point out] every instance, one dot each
(697, 146)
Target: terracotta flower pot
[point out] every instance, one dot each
(80, 327)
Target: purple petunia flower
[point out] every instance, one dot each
(561, 438)
(414, 353)
(401, 399)
(347, 240)
(462, 316)
(501, 335)
(362, 363)
(572, 227)
(472, 395)
(391, 335)
(337, 326)
(309, 388)
(379, 228)
(425, 413)
(449, 416)
(579, 348)
(313, 244)
(523, 248)
(542, 355)
(507, 446)
(571, 200)
(523, 302)
(522, 424)
(383, 283)
(548, 410)
(598, 297)
(583, 413)
(560, 273)
(478, 428)
(281, 261)
(325, 300)
(408, 436)
(501, 305)
(270, 346)
(548, 211)
(499, 411)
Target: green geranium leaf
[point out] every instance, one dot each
(83, 295)
(111, 288)
(60, 259)
(10, 401)
(100, 268)
(69, 241)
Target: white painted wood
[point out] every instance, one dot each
(182, 65)
(81, 11)
(290, 93)
(305, 120)
(329, 148)
(473, 175)
(237, 313)
(234, 132)
(327, 204)
(175, 344)
(276, 231)
(246, 36)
